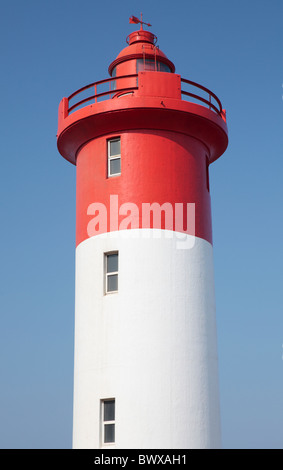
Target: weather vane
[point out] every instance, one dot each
(135, 20)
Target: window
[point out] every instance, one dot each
(207, 173)
(113, 82)
(151, 65)
(111, 270)
(114, 156)
(108, 421)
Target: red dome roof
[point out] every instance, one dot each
(141, 44)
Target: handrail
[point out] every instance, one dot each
(98, 95)
(210, 105)
(210, 93)
(215, 107)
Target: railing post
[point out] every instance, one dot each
(63, 112)
(95, 93)
(64, 107)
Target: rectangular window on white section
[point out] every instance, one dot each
(114, 157)
(108, 421)
(111, 270)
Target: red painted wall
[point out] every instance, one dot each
(156, 166)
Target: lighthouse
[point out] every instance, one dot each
(145, 354)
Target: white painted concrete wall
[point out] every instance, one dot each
(152, 346)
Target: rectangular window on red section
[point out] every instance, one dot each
(114, 156)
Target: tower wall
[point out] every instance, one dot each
(157, 166)
(152, 346)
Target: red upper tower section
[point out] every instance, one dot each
(169, 128)
(144, 80)
(141, 54)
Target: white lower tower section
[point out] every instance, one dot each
(152, 346)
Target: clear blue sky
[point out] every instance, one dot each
(50, 49)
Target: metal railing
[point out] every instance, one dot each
(116, 91)
(105, 94)
(216, 107)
